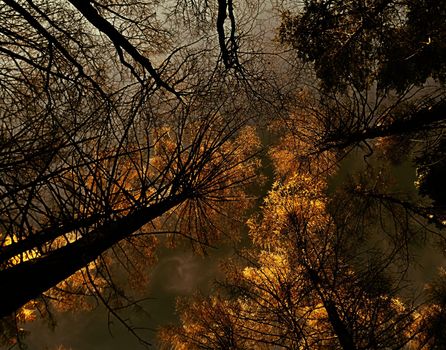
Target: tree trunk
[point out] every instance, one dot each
(424, 119)
(28, 280)
(340, 329)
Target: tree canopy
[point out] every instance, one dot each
(316, 126)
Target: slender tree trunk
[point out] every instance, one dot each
(424, 119)
(340, 329)
(344, 336)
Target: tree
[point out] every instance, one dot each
(380, 68)
(99, 140)
(124, 120)
(303, 287)
(395, 43)
(380, 86)
(329, 266)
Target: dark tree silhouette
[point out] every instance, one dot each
(396, 43)
(380, 65)
(300, 286)
(110, 119)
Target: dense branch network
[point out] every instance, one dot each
(94, 153)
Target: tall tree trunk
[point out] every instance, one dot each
(339, 327)
(27, 280)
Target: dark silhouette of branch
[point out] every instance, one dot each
(229, 54)
(36, 25)
(120, 42)
(32, 278)
(425, 119)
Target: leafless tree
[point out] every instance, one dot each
(115, 115)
